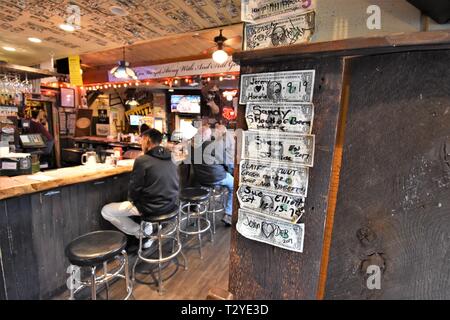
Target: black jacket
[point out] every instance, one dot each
(154, 183)
(211, 166)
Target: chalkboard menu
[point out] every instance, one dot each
(277, 154)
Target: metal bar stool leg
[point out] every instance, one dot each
(179, 243)
(212, 230)
(128, 281)
(105, 272)
(133, 272)
(160, 282)
(199, 226)
(93, 284)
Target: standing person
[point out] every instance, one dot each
(153, 188)
(225, 140)
(210, 170)
(37, 127)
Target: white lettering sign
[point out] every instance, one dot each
(180, 69)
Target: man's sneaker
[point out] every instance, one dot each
(227, 220)
(147, 244)
(148, 229)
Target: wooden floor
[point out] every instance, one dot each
(192, 284)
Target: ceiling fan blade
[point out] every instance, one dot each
(209, 50)
(229, 50)
(234, 42)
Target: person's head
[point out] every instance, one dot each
(151, 138)
(144, 128)
(204, 133)
(37, 114)
(220, 131)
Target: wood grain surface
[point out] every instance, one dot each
(394, 194)
(261, 271)
(22, 185)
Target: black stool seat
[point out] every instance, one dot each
(160, 217)
(194, 194)
(95, 248)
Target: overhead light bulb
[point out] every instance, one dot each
(67, 27)
(34, 40)
(123, 71)
(220, 56)
(11, 49)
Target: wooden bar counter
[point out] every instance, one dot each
(40, 214)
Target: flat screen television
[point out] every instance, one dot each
(185, 103)
(135, 120)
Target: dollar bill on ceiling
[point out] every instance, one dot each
(275, 176)
(271, 203)
(294, 29)
(256, 11)
(278, 147)
(288, 117)
(277, 87)
(272, 231)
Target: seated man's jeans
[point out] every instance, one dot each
(228, 182)
(119, 214)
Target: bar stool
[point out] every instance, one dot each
(217, 203)
(96, 249)
(194, 204)
(160, 220)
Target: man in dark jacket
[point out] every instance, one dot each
(153, 188)
(209, 166)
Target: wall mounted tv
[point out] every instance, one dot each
(185, 103)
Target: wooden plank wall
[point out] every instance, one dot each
(36, 228)
(260, 271)
(394, 196)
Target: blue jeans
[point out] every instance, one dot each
(228, 182)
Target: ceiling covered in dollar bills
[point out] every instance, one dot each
(99, 29)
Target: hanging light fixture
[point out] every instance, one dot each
(220, 56)
(132, 102)
(123, 71)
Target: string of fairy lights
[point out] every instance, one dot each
(171, 83)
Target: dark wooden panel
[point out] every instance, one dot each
(35, 230)
(401, 42)
(394, 196)
(18, 257)
(3, 231)
(260, 271)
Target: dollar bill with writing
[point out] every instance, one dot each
(278, 147)
(255, 11)
(286, 31)
(271, 203)
(274, 232)
(277, 87)
(275, 176)
(288, 117)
